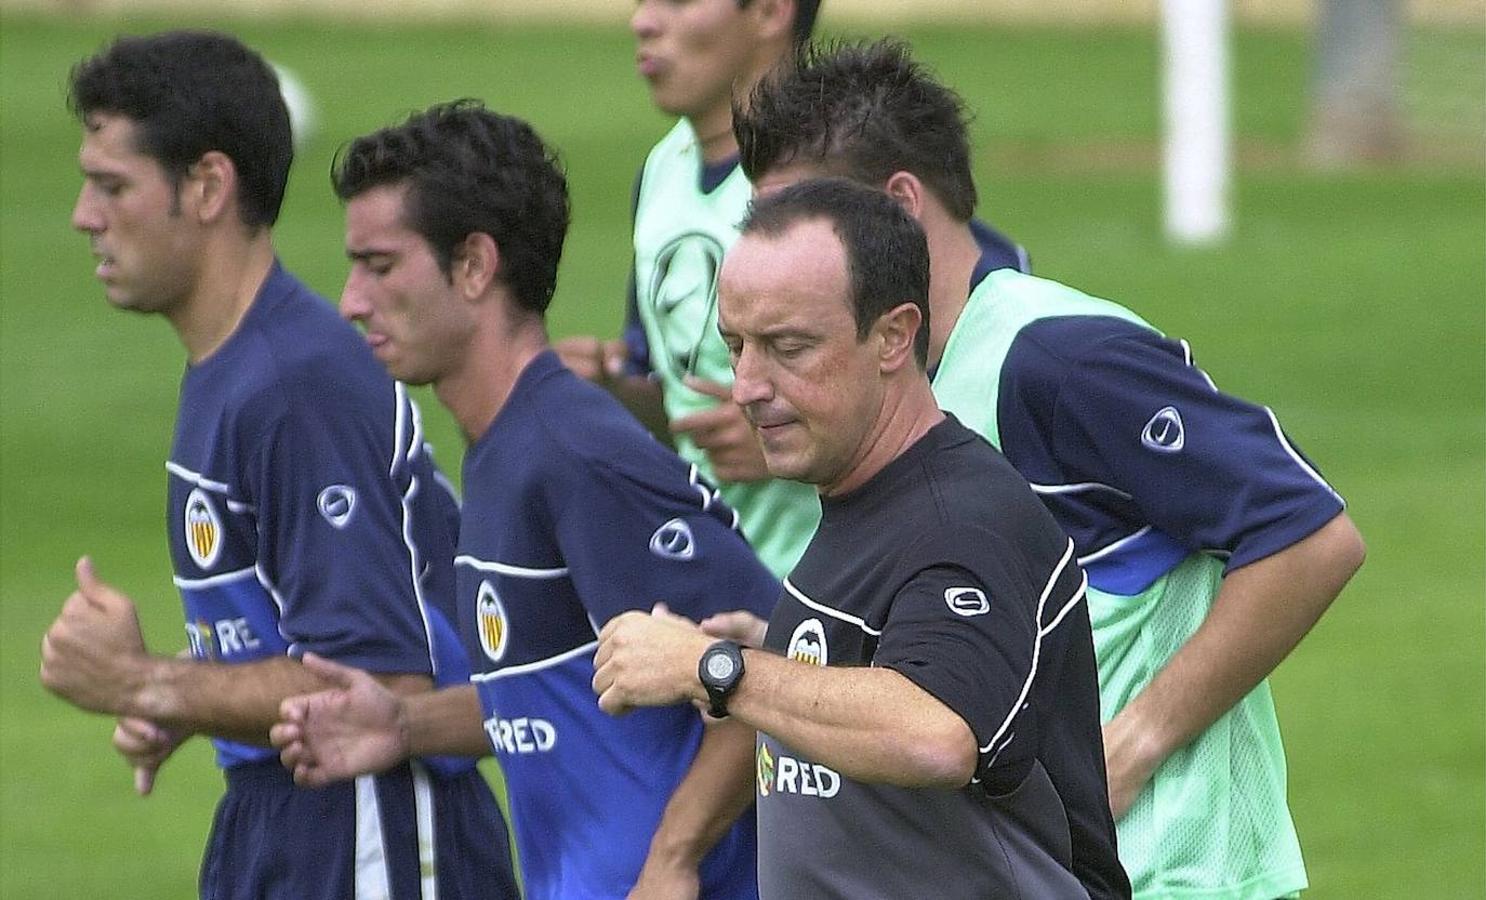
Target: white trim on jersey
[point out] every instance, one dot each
(538, 665)
(1077, 488)
(830, 611)
(416, 443)
(1114, 546)
(205, 483)
(443, 481)
(278, 602)
(214, 580)
(1187, 357)
(373, 881)
(399, 423)
(197, 478)
(414, 564)
(423, 809)
(507, 569)
(1037, 646)
(406, 409)
(1299, 460)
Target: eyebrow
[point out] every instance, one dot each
(362, 255)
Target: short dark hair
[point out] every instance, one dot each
(191, 92)
(887, 254)
(471, 170)
(862, 111)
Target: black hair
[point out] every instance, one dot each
(861, 111)
(470, 170)
(189, 93)
(887, 254)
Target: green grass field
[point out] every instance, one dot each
(1352, 304)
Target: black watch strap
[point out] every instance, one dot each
(720, 669)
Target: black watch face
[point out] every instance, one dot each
(720, 667)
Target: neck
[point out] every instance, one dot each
(908, 411)
(714, 131)
(954, 253)
(477, 389)
(234, 269)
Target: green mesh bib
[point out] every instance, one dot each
(681, 235)
(1213, 822)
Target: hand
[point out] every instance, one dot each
(145, 745)
(596, 360)
(723, 434)
(740, 625)
(648, 660)
(1129, 761)
(93, 656)
(660, 881)
(353, 728)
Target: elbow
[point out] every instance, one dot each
(1348, 551)
(941, 757)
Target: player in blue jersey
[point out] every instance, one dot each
(670, 366)
(1211, 544)
(304, 511)
(573, 513)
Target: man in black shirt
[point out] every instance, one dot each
(926, 700)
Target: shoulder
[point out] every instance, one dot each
(982, 505)
(581, 427)
(1049, 349)
(678, 144)
(302, 360)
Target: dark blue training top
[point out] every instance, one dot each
(304, 511)
(573, 514)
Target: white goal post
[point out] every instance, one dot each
(1196, 153)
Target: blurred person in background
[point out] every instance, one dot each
(671, 368)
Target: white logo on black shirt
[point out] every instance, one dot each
(1164, 432)
(336, 503)
(673, 540)
(966, 601)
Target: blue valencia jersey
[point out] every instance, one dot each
(573, 513)
(304, 511)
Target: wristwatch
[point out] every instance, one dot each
(720, 669)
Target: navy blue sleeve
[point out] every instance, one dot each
(997, 251)
(332, 490)
(637, 533)
(633, 334)
(1115, 404)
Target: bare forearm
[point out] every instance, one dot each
(1260, 614)
(643, 398)
(716, 790)
(447, 722)
(869, 724)
(240, 702)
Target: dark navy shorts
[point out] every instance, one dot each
(407, 834)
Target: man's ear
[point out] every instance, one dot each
(896, 330)
(773, 19)
(209, 190)
(475, 264)
(910, 193)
